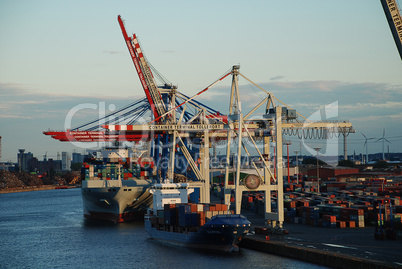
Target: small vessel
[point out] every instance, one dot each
(203, 226)
(115, 185)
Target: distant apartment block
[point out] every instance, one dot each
(65, 161)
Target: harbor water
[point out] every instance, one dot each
(46, 229)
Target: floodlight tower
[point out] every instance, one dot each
(287, 143)
(297, 167)
(318, 171)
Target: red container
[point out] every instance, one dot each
(356, 211)
(169, 206)
(201, 218)
(345, 213)
(340, 224)
(329, 218)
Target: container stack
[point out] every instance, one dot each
(354, 217)
(145, 166)
(329, 221)
(310, 215)
(113, 168)
(189, 214)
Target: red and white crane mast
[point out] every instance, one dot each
(144, 73)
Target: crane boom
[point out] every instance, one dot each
(394, 19)
(144, 72)
(149, 79)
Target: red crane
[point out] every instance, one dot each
(85, 133)
(144, 72)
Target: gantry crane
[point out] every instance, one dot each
(268, 127)
(144, 72)
(394, 19)
(176, 128)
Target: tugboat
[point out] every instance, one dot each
(203, 226)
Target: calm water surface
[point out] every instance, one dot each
(46, 229)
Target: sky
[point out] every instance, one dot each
(55, 55)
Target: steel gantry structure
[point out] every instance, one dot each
(268, 128)
(182, 126)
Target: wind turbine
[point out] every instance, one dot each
(383, 139)
(366, 145)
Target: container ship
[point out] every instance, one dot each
(115, 185)
(203, 226)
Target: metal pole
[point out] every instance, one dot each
(318, 172)
(297, 167)
(279, 156)
(345, 146)
(287, 143)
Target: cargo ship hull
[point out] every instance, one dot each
(115, 200)
(222, 233)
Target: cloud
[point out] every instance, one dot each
(21, 102)
(368, 106)
(14, 117)
(386, 105)
(25, 102)
(319, 85)
(277, 77)
(357, 101)
(112, 52)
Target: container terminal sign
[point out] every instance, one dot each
(395, 22)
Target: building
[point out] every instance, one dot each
(65, 161)
(24, 161)
(77, 158)
(49, 165)
(327, 173)
(8, 166)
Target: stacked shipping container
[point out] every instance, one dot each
(187, 215)
(112, 168)
(342, 209)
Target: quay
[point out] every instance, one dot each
(34, 188)
(331, 247)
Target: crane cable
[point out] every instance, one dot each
(191, 98)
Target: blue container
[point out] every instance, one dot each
(188, 218)
(194, 219)
(182, 220)
(327, 224)
(170, 217)
(183, 209)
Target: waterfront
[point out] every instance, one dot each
(46, 229)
